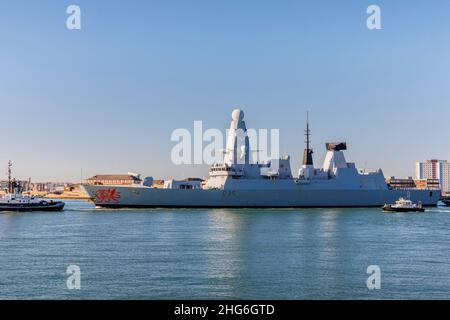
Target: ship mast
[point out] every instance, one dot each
(307, 155)
(307, 131)
(10, 186)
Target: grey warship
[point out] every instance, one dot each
(238, 183)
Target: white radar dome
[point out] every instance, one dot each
(237, 115)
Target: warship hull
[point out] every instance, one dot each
(145, 197)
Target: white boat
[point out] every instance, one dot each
(237, 183)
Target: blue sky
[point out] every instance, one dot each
(106, 98)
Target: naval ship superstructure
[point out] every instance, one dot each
(239, 183)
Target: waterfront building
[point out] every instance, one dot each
(410, 183)
(114, 179)
(22, 184)
(435, 169)
(397, 183)
(3, 185)
(48, 187)
(428, 184)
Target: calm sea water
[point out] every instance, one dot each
(224, 254)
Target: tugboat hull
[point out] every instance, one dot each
(23, 207)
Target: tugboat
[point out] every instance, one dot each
(15, 200)
(403, 205)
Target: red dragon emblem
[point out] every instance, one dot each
(105, 196)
